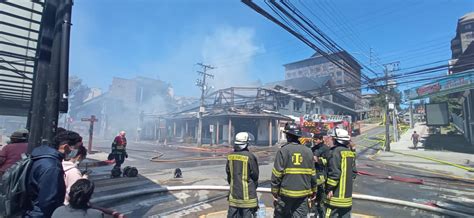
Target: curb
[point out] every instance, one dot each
(97, 163)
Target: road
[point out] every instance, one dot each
(207, 168)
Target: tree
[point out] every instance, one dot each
(379, 101)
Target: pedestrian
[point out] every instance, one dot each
(45, 185)
(320, 154)
(415, 137)
(242, 176)
(71, 170)
(341, 173)
(293, 176)
(119, 149)
(79, 206)
(11, 153)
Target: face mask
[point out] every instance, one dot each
(71, 154)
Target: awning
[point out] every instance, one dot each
(19, 32)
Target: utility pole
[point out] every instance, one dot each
(91, 121)
(203, 85)
(412, 124)
(394, 66)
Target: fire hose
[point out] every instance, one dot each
(425, 207)
(394, 178)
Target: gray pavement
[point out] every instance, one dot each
(211, 172)
(444, 162)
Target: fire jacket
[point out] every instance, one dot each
(242, 176)
(341, 173)
(293, 173)
(322, 152)
(119, 145)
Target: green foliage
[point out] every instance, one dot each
(379, 100)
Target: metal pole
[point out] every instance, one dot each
(41, 71)
(412, 124)
(64, 58)
(395, 125)
(387, 115)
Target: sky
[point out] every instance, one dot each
(165, 39)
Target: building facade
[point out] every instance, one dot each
(318, 66)
(464, 35)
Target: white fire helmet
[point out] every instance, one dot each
(341, 136)
(242, 140)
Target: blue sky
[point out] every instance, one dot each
(165, 38)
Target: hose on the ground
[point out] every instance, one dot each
(110, 212)
(394, 178)
(377, 199)
(470, 169)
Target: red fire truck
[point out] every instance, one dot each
(321, 123)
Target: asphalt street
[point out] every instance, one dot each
(205, 167)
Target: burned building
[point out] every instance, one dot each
(123, 106)
(262, 111)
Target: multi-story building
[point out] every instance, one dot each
(464, 35)
(318, 66)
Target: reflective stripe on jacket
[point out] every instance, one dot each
(293, 173)
(341, 172)
(242, 176)
(322, 152)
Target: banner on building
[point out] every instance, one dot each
(452, 84)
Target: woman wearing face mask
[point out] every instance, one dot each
(71, 171)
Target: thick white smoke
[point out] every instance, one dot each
(230, 50)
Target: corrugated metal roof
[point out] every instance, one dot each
(19, 32)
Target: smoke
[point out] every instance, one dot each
(230, 50)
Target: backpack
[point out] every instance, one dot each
(14, 198)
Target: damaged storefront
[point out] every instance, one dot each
(221, 124)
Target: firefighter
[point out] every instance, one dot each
(119, 149)
(242, 176)
(341, 173)
(293, 176)
(320, 154)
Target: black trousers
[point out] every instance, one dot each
(287, 207)
(339, 212)
(119, 159)
(320, 207)
(235, 212)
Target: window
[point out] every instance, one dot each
(338, 82)
(467, 26)
(339, 73)
(297, 105)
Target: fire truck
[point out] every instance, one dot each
(322, 123)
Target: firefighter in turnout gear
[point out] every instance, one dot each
(242, 176)
(293, 176)
(118, 149)
(321, 154)
(341, 173)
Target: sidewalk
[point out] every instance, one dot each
(437, 159)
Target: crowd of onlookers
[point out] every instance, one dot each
(56, 186)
